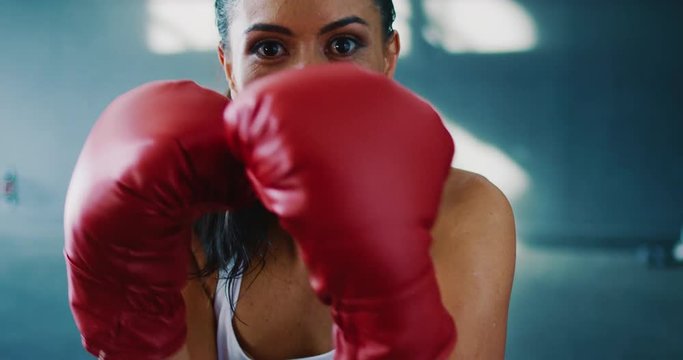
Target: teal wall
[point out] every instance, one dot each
(593, 115)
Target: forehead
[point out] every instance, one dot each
(301, 15)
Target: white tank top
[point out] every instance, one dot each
(228, 346)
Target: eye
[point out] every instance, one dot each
(268, 49)
(343, 46)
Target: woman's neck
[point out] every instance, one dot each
(283, 249)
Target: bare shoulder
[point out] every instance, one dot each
(474, 257)
(475, 224)
(471, 195)
(473, 212)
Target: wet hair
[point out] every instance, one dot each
(224, 12)
(236, 240)
(232, 242)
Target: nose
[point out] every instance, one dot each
(309, 56)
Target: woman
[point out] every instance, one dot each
(248, 263)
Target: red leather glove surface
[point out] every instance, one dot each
(155, 160)
(354, 166)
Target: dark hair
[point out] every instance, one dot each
(233, 241)
(223, 12)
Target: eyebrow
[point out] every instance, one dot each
(325, 29)
(269, 28)
(341, 23)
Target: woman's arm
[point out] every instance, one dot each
(474, 256)
(201, 322)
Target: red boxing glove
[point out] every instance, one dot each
(154, 162)
(354, 166)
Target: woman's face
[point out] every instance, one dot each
(266, 36)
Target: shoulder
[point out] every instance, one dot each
(475, 226)
(471, 203)
(464, 187)
(473, 250)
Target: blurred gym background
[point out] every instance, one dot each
(573, 108)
